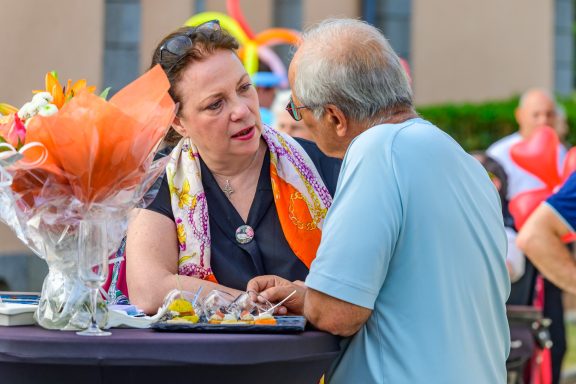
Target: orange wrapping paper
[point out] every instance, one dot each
(97, 148)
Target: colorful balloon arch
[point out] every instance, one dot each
(252, 46)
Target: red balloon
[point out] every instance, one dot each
(523, 204)
(234, 9)
(539, 156)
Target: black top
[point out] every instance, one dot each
(268, 253)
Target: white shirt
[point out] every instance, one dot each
(519, 180)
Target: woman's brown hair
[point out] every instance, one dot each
(204, 42)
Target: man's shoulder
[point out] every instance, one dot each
(503, 145)
(386, 133)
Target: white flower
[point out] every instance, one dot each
(41, 99)
(27, 111)
(44, 96)
(47, 110)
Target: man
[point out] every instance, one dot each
(537, 108)
(541, 236)
(411, 267)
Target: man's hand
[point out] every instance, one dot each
(275, 289)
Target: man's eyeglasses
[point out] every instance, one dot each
(180, 44)
(293, 110)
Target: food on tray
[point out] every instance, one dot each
(246, 317)
(216, 318)
(184, 319)
(216, 308)
(230, 318)
(181, 306)
(265, 319)
(182, 311)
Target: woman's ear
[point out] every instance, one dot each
(177, 125)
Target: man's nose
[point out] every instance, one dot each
(544, 119)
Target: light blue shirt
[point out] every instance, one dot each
(416, 234)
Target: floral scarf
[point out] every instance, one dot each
(300, 196)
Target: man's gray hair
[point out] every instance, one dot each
(350, 64)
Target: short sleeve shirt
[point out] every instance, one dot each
(415, 233)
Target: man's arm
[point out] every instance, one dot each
(333, 315)
(325, 312)
(541, 239)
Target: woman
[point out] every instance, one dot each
(239, 199)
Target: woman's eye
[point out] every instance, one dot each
(215, 105)
(245, 87)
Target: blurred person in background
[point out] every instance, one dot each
(561, 127)
(515, 260)
(541, 236)
(284, 122)
(537, 108)
(266, 83)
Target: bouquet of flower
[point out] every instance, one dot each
(70, 156)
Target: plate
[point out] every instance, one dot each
(284, 324)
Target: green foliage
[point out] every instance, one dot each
(476, 126)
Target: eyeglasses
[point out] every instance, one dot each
(179, 45)
(293, 110)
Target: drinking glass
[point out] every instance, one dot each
(216, 302)
(93, 266)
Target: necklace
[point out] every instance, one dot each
(227, 188)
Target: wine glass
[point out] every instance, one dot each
(93, 266)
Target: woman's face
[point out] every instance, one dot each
(219, 109)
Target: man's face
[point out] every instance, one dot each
(536, 111)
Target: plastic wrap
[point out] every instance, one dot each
(98, 165)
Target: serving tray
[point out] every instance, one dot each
(284, 324)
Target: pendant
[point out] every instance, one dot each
(228, 190)
(244, 234)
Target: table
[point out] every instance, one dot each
(31, 354)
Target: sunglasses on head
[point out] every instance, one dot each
(180, 44)
(294, 111)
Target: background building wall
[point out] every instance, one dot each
(159, 18)
(466, 50)
(315, 11)
(39, 36)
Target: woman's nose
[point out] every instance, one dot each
(240, 110)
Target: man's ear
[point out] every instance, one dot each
(518, 115)
(336, 118)
(177, 125)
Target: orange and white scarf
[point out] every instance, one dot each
(301, 198)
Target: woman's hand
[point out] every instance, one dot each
(275, 289)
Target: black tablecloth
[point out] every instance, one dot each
(33, 355)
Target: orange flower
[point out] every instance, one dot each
(61, 94)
